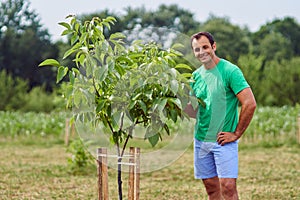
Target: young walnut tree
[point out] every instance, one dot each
(121, 86)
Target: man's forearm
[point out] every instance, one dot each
(246, 114)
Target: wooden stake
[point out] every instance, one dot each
(137, 174)
(298, 130)
(73, 129)
(134, 174)
(67, 132)
(102, 174)
(131, 174)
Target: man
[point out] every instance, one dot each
(221, 86)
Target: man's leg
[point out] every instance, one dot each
(212, 186)
(226, 158)
(228, 188)
(205, 168)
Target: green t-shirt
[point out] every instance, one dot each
(217, 87)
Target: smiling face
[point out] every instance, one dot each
(205, 52)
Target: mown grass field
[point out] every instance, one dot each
(36, 168)
(34, 161)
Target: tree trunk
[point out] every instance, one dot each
(120, 178)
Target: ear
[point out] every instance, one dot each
(214, 46)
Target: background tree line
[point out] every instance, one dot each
(269, 57)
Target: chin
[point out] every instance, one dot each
(204, 61)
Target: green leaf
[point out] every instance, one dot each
(66, 25)
(51, 62)
(143, 106)
(166, 127)
(100, 105)
(106, 24)
(183, 66)
(66, 32)
(136, 55)
(202, 102)
(149, 94)
(120, 69)
(89, 65)
(98, 33)
(74, 39)
(154, 139)
(115, 36)
(160, 104)
(70, 51)
(110, 19)
(177, 45)
(174, 86)
(132, 104)
(101, 73)
(70, 16)
(170, 61)
(117, 116)
(76, 71)
(173, 72)
(77, 26)
(61, 73)
(124, 60)
(186, 75)
(194, 102)
(79, 59)
(176, 102)
(77, 96)
(173, 115)
(72, 78)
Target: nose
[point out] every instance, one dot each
(201, 51)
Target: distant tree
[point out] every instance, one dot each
(287, 27)
(277, 75)
(158, 25)
(24, 43)
(171, 16)
(277, 85)
(275, 46)
(232, 41)
(282, 82)
(251, 66)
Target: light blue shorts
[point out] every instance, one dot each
(212, 159)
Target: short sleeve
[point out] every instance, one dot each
(238, 81)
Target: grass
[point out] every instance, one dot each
(37, 168)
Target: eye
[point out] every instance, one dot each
(197, 49)
(205, 47)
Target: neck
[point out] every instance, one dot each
(212, 63)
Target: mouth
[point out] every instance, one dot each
(203, 56)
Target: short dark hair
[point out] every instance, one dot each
(208, 35)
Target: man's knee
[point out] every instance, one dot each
(228, 188)
(212, 186)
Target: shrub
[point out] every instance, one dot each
(12, 91)
(39, 100)
(16, 95)
(81, 160)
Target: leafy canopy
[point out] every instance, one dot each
(122, 85)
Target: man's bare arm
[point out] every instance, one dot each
(248, 106)
(190, 110)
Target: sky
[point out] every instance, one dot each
(252, 13)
